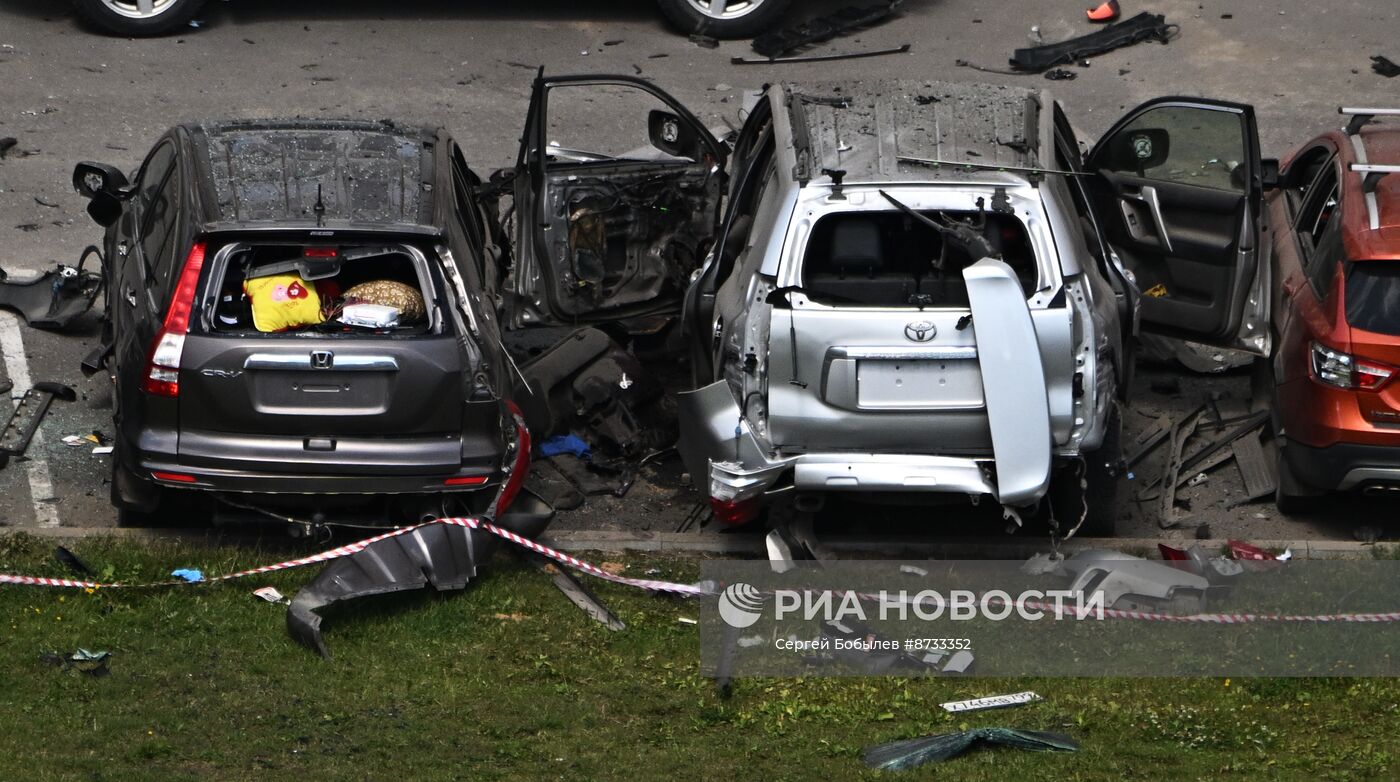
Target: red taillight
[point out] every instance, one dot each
(465, 480)
(163, 368)
(1343, 370)
(521, 467)
(736, 512)
(320, 252)
(176, 477)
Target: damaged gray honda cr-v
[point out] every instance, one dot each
(295, 320)
(926, 288)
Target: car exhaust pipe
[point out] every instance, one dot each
(1381, 490)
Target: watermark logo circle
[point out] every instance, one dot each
(740, 605)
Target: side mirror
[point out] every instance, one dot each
(670, 134)
(1269, 173)
(1139, 149)
(105, 187)
(94, 179)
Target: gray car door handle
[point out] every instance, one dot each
(1148, 195)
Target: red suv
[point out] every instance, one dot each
(1336, 311)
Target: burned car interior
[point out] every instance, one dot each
(270, 288)
(889, 259)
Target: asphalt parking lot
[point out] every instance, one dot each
(72, 95)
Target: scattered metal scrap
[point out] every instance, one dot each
(1240, 442)
(1385, 66)
(820, 57)
(843, 21)
(909, 753)
(587, 384)
(579, 594)
(1143, 27)
(53, 299)
(29, 413)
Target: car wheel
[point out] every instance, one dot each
(723, 18)
(138, 17)
(1101, 473)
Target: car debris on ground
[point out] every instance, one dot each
(29, 413)
(910, 753)
(53, 299)
(783, 41)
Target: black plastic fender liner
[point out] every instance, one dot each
(445, 556)
(52, 299)
(1142, 27)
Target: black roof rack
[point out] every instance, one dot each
(1360, 117)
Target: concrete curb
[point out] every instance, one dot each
(752, 545)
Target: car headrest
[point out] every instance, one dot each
(855, 244)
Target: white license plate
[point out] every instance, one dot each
(915, 384)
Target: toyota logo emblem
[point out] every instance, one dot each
(920, 331)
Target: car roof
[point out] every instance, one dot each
(1376, 143)
(870, 129)
(363, 173)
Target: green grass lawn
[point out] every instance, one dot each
(506, 680)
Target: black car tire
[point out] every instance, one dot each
(1101, 475)
(174, 15)
(688, 19)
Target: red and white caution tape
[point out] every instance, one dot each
(690, 590)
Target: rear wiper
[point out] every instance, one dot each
(971, 242)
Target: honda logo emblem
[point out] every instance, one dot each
(920, 331)
(322, 359)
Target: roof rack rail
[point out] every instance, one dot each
(1360, 117)
(1371, 174)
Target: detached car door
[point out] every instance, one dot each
(1178, 183)
(617, 195)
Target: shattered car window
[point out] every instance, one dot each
(594, 122)
(270, 288)
(1205, 148)
(1371, 300)
(888, 259)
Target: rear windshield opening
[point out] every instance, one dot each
(279, 288)
(889, 259)
(1373, 296)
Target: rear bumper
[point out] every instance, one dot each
(719, 447)
(1344, 466)
(271, 482)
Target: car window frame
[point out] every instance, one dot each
(157, 268)
(1307, 247)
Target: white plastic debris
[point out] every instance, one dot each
(375, 316)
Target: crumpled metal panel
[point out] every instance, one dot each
(366, 173)
(864, 127)
(443, 555)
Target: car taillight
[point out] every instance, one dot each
(163, 369)
(736, 512)
(1343, 370)
(521, 468)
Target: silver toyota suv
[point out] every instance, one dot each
(927, 288)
